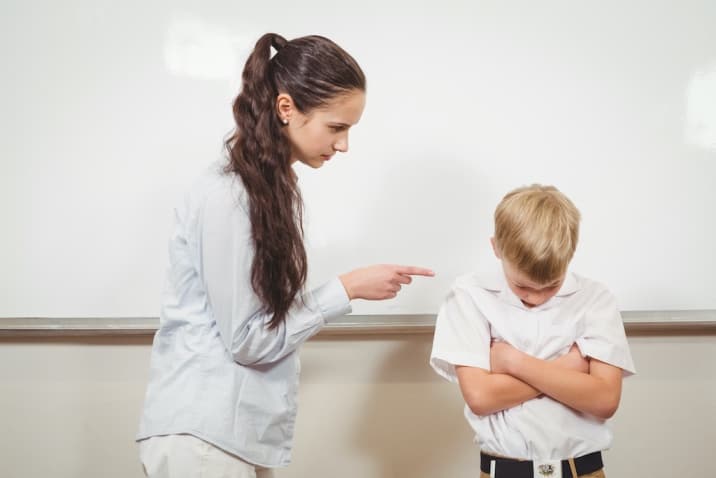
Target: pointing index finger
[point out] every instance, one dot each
(414, 271)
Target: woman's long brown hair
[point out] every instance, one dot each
(312, 70)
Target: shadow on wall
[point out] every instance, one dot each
(371, 406)
(411, 423)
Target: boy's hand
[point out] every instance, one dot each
(573, 360)
(503, 357)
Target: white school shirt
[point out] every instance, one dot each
(480, 308)
(216, 371)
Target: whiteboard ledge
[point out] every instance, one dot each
(634, 321)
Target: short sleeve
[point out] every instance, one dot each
(604, 337)
(462, 335)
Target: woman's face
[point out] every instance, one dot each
(316, 136)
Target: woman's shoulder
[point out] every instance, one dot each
(218, 186)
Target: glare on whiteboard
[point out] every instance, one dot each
(196, 48)
(701, 110)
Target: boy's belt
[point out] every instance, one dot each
(512, 468)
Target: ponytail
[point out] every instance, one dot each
(313, 70)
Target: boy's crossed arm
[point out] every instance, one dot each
(488, 392)
(596, 392)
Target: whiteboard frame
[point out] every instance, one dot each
(634, 321)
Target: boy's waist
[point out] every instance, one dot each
(540, 428)
(513, 468)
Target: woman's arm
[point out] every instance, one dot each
(241, 320)
(490, 392)
(597, 392)
(254, 343)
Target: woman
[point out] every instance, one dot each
(221, 399)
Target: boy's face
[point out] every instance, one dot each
(530, 293)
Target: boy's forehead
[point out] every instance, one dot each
(521, 278)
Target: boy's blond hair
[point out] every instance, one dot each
(536, 230)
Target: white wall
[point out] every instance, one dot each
(110, 108)
(369, 407)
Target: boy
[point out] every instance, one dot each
(539, 352)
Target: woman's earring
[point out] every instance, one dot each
(285, 121)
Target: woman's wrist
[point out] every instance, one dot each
(347, 285)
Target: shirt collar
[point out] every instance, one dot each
(569, 286)
(494, 281)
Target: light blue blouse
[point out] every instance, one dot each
(216, 371)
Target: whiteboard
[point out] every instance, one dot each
(110, 109)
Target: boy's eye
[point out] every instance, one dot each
(338, 129)
(544, 289)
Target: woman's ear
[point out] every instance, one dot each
(495, 249)
(284, 107)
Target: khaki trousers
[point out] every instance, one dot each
(185, 456)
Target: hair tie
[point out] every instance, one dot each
(278, 42)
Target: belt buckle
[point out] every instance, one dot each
(547, 468)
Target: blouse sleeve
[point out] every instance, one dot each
(462, 335)
(604, 337)
(226, 255)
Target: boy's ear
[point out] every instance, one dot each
(495, 249)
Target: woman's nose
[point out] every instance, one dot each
(342, 144)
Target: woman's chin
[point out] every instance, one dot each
(313, 163)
